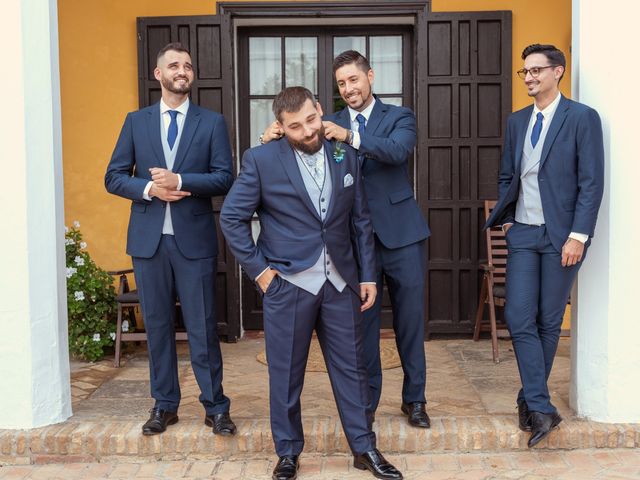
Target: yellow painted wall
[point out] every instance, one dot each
(98, 70)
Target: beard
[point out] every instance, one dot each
(311, 145)
(169, 85)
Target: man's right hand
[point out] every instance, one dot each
(167, 195)
(265, 279)
(273, 132)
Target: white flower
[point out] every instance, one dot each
(71, 271)
(79, 260)
(113, 335)
(76, 224)
(68, 241)
(83, 244)
(96, 337)
(66, 229)
(125, 325)
(78, 295)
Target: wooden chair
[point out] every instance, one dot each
(128, 300)
(493, 289)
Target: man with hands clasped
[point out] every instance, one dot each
(171, 158)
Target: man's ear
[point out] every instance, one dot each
(319, 109)
(156, 73)
(370, 76)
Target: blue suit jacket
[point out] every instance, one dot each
(292, 233)
(204, 162)
(571, 176)
(387, 144)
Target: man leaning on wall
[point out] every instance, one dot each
(550, 187)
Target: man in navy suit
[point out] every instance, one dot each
(384, 136)
(550, 188)
(310, 201)
(171, 158)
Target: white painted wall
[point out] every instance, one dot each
(606, 323)
(34, 360)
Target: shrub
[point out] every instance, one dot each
(91, 302)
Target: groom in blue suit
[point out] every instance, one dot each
(170, 159)
(550, 188)
(384, 136)
(314, 263)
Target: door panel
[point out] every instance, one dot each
(209, 42)
(297, 58)
(468, 99)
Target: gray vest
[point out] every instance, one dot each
(529, 205)
(314, 277)
(169, 158)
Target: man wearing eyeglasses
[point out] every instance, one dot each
(550, 188)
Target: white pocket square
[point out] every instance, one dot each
(348, 180)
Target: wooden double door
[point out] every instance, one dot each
(452, 69)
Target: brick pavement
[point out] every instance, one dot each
(470, 401)
(532, 465)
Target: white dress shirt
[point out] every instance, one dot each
(366, 113)
(166, 120)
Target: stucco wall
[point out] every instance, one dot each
(98, 67)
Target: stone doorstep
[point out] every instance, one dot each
(191, 439)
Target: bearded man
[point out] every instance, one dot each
(171, 158)
(314, 262)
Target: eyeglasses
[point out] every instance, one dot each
(534, 71)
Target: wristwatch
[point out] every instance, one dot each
(261, 139)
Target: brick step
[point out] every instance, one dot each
(191, 439)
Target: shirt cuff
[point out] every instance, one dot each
(145, 194)
(581, 237)
(504, 225)
(261, 273)
(367, 283)
(179, 187)
(355, 143)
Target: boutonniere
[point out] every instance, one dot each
(338, 152)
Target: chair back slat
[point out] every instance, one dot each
(496, 247)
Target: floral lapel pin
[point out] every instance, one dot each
(338, 152)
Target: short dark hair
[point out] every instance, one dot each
(553, 54)
(175, 46)
(351, 56)
(291, 100)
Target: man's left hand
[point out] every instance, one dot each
(335, 132)
(572, 252)
(367, 295)
(164, 178)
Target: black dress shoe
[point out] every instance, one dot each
(417, 414)
(158, 421)
(541, 426)
(287, 468)
(524, 417)
(376, 464)
(221, 424)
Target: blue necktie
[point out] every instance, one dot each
(537, 128)
(361, 125)
(172, 133)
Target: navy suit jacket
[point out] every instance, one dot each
(387, 144)
(292, 234)
(204, 162)
(571, 176)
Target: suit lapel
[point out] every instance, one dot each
(343, 119)
(377, 114)
(335, 171)
(522, 134)
(190, 126)
(290, 164)
(153, 126)
(556, 124)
